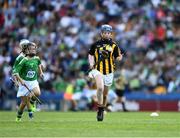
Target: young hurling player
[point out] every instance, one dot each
(120, 84)
(103, 67)
(26, 72)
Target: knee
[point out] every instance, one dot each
(100, 89)
(24, 102)
(105, 95)
(37, 93)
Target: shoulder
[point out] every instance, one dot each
(24, 59)
(116, 46)
(20, 56)
(96, 43)
(37, 57)
(114, 43)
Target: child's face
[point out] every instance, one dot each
(32, 49)
(106, 35)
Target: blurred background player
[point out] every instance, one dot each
(103, 52)
(120, 84)
(26, 72)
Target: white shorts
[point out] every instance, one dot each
(77, 96)
(22, 91)
(108, 79)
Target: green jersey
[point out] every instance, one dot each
(17, 61)
(28, 68)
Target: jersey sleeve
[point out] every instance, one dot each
(116, 52)
(39, 61)
(14, 66)
(92, 49)
(19, 66)
(17, 61)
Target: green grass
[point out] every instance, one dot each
(84, 124)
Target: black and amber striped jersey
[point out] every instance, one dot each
(105, 65)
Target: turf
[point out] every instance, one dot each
(84, 124)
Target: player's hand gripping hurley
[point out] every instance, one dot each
(29, 91)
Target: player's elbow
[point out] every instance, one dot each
(90, 56)
(119, 58)
(91, 59)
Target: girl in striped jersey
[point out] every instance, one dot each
(103, 66)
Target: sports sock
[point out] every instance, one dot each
(19, 114)
(30, 111)
(123, 106)
(32, 100)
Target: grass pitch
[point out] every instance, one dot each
(84, 124)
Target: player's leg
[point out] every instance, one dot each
(74, 101)
(108, 80)
(121, 99)
(37, 93)
(105, 93)
(100, 89)
(29, 108)
(21, 108)
(22, 94)
(33, 104)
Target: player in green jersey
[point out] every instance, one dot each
(23, 45)
(24, 51)
(26, 72)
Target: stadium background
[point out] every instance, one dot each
(147, 32)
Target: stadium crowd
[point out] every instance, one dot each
(147, 32)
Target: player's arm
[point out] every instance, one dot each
(17, 61)
(17, 70)
(18, 78)
(91, 56)
(91, 60)
(40, 68)
(117, 53)
(16, 82)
